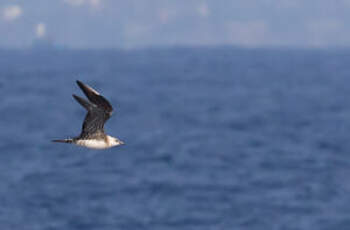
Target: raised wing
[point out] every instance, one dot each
(95, 97)
(99, 111)
(94, 119)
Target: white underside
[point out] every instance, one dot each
(93, 144)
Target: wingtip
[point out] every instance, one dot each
(76, 97)
(86, 88)
(87, 105)
(79, 82)
(95, 96)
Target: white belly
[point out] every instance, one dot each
(93, 144)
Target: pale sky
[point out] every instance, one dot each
(144, 23)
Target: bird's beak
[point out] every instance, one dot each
(121, 142)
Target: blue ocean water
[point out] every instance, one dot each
(216, 138)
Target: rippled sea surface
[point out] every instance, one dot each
(216, 138)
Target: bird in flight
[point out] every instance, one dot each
(99, 111)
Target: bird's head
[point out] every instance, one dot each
(113, 141)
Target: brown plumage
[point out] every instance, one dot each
(99, 111)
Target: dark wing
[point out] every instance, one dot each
(95, 97)
(94, 119)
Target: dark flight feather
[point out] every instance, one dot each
(99, 111)
(95, 97)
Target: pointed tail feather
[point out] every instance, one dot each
(64, 141)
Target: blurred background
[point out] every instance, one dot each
(89, 24)
(235, 114)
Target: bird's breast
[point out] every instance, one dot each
(93, 144)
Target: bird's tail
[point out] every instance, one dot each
(64, 141)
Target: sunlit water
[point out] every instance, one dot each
(215, 139)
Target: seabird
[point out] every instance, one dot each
(99, 111)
